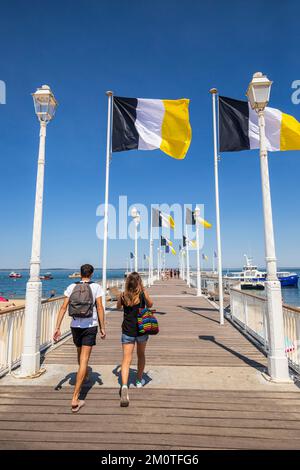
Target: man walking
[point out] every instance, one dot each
(84, 301)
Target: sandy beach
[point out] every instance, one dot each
(11, 304)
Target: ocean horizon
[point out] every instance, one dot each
(16, 288)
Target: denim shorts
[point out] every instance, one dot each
(125, 339)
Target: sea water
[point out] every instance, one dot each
(16, 288)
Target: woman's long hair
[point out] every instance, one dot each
(133, 288)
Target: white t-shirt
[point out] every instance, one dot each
(90, 321)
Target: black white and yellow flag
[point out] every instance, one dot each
(147, 124)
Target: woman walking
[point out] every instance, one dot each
(131, 300)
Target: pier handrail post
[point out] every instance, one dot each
(108, 158)
(45, 106)
(277, 359)
(214, 93)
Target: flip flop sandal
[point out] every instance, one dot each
(76, 408)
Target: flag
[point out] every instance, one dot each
(215, 254)
(163, 241)
(131, 255)
(204, 257)
(147, 124)
(172, 250)
(161, 219)
(167, 249)
(169, 242)
(184, 240)
(193, 243)
(239, 130)
(203, 222)
(189, 217)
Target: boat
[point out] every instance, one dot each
(46, 276)
(252, 278)
(74, 275)
(15, 275)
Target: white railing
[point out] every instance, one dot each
(249, 312)
(11, 332)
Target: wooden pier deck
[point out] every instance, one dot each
(204, 390)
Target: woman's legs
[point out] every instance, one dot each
(141, 347)
(127, 358)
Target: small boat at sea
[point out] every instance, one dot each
(46, 277)
(14, 275)
(252, 278)
(74, 275)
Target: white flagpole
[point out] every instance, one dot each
(108, 155)
(183, 266)
(151, 252)
(188, 278)
(158, 262)
(197, 215)
(214, 93)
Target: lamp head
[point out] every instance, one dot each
(258, 91)
(134, 213)
(45, 103)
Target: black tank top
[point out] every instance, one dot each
(130, 321)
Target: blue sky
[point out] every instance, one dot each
(157, 49)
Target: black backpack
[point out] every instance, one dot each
(81, 301)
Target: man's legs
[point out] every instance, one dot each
(83, 359)
(78, 359)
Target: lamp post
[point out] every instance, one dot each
(136, 217)
(258, 94)
(45, 105)
(197, 215)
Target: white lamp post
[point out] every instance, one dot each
(136, 217)
(258, 94)
(45, 105)
(197, 215)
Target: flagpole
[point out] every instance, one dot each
(188, 279)
(108, 156)
(197, 215)
(150, 267)
(158, 263)
(214, 93)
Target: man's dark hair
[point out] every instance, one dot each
(86, 270)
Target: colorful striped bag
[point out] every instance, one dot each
(147, 323)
